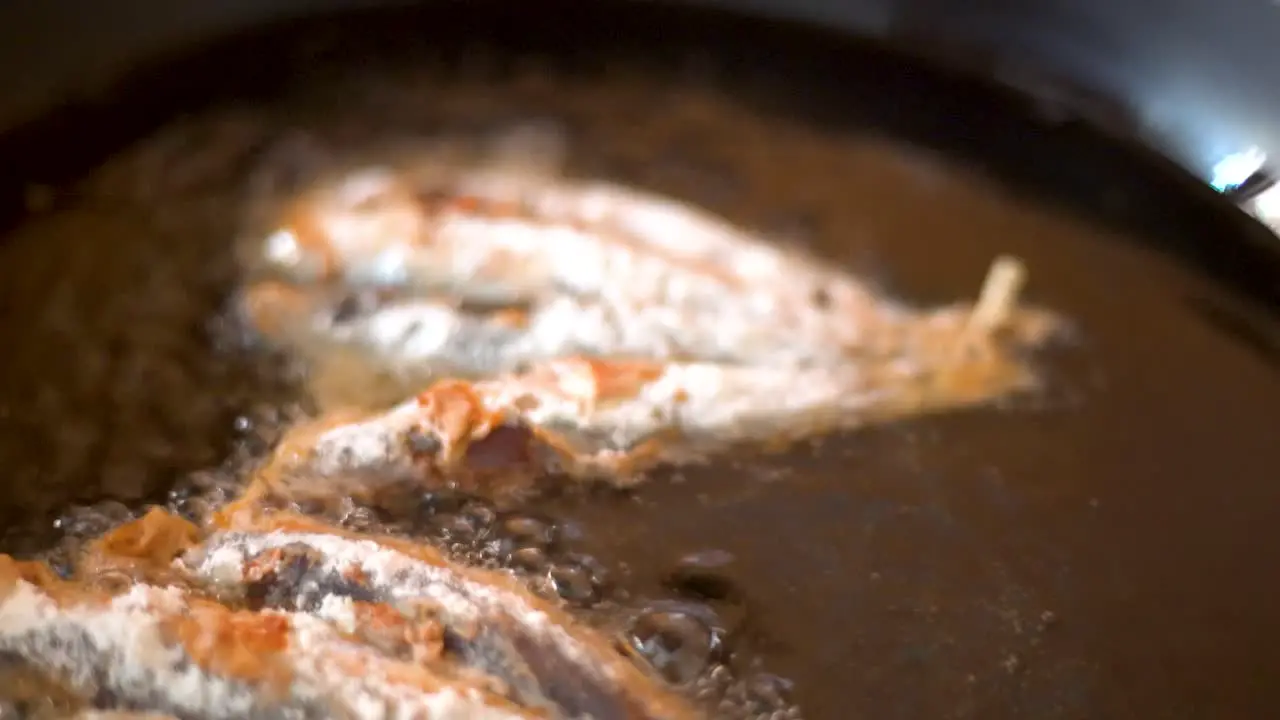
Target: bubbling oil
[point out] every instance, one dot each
(224, 165)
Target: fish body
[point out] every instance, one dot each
(513, 296)
(278, 616)
(575, 250)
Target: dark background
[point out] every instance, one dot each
(1198, 76)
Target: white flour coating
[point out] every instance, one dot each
(119, 645)
(375, 442)
(339, 611)
(321, 658)
(577, 236)
(702, 401)
(606, 269)
(414, 333)
(391, 573)
(395, 576)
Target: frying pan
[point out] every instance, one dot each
(1109, 554)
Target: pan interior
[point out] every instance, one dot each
(1094, 550)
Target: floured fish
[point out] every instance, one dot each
(282, 617)
(582, 267)
(603, 420)
(617, 329)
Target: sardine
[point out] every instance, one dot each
(278, 616)
(485, 269)
(652, 270)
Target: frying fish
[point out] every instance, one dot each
(526, 295)
(603, 420)
(564, 329)
(596, 267)
(283, 617)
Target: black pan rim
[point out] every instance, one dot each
(999, 128)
